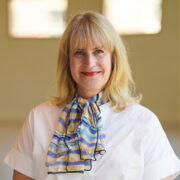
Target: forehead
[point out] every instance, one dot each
(86, 43)
(89, 37)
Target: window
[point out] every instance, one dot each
(37, 18)
(134, 16)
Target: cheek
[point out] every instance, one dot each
(74, 68)
(108, 67)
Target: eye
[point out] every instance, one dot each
(79, 52)
(99, 51)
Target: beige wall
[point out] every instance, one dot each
(27, 66)
(179, 65)
(154, 60)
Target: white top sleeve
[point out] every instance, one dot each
(20, 156)
(155, 159)
(160, 161)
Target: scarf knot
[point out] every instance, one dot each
(78, 137)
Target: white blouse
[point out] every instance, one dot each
(137, 147)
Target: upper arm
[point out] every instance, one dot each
(160, 161)
(20, 157)
(18, 176)
(172, 177)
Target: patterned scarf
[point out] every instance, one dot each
(78, 138)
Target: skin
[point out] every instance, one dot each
(19, 176)
(90, 68)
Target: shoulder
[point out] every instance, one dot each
(45, 113)
(143, 117)
(149, 123)
(139, 112)
(45, 108)
(133, 112)
(135, 118)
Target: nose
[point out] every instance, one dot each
(90, 60)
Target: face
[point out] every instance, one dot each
(91, 69)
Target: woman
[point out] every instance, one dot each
(95, 128)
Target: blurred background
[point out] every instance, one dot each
(29, 39)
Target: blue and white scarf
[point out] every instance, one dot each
(78, 138)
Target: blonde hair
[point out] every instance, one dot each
(90, 28)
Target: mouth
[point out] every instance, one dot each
(91, 74)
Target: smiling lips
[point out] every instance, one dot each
(90, 74)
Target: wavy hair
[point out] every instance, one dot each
(91, 28)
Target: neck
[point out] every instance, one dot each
(87, 93)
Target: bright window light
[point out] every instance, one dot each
(37, 18)
(134, 16)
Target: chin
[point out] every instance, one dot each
(94, 88)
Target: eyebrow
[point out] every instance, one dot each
(78, 49)
(81, 49)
